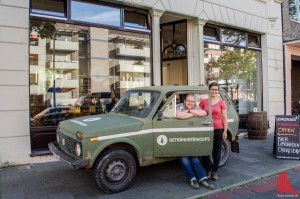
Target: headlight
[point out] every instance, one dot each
(57, 137)
(77, 149)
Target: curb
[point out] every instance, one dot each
(243, 183)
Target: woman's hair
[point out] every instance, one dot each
(213, 84)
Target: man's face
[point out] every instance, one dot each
(189, 102)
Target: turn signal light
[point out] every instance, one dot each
(79, 135)
(93, 139)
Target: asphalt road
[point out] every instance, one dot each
(166, 180)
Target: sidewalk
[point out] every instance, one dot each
(265, 188)
(255, 164)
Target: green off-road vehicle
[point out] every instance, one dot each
(142, 129)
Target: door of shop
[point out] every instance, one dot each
(174, 67)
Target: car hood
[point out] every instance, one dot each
(101, 125)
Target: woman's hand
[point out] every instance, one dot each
(224, 136)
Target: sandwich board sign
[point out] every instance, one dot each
(286, 139)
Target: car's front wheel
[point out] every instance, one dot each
(114, 171)
(225, 152)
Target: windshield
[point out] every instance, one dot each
(137, 103)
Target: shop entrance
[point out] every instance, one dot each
(174, 72)
(295, 82)
(174, 67)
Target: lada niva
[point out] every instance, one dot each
(142, 129)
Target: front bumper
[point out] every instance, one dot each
(62, 157)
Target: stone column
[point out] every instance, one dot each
(195, 51)
(199, 70)
(156, 51)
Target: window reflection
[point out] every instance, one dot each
(235, 69)
(135, 20)
(94, 13)
(84, 71)
(233, 37)
(49, 7)
(254, 40)
(210, 33)
(293, 10)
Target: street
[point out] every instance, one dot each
(166, 180)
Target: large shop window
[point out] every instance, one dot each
(235, 69)
(234, 63)
(83, 71)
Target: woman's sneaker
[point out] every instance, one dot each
(195, 184)
(207, 184)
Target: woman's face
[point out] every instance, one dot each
(214, 90)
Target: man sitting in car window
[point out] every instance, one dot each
(188, 109)
(191, 165)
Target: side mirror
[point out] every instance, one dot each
(160, 115)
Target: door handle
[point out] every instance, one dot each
(206, 123)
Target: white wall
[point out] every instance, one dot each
(14, 84)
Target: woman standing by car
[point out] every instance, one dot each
(219, 116)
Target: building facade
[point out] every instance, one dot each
(69, 58)
(291, 45)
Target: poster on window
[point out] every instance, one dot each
(286, 139)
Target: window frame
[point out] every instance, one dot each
(95, 4)
(218, 28)
(65, 2)
(122, 27)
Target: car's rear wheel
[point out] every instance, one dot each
(114, 171)
(225, 152)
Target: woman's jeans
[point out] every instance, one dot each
(217, 148)
(192, 168)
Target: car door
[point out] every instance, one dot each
(182, 137)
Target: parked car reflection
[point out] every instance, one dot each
(84, 105)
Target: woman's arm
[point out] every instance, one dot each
(225, 123)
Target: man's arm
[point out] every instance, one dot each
(198, 112)
(185, 114)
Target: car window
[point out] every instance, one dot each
(200, 97)
(170, 108)
(176, 102)
(137, 103)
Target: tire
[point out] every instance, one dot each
(225, 152)
(114, 171)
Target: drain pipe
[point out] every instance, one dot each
(284, 66)
(284, 80)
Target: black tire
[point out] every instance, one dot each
(225, 152)
(114, 171)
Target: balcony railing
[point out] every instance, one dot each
(66, 83)
(65, 45)
(132, 52)
(64, 65)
